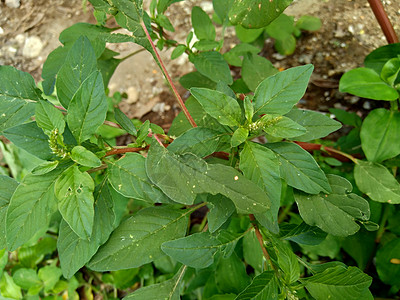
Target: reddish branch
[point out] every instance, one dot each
(340, 156)
(383, 20)
(125, 150)
(260, 240)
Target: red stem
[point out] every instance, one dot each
(124, 150)
(166, 74)
(383, 20)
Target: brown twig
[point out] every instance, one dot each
(383, 20)
(125, 150)
(261, 240)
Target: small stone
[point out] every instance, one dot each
(32, 47)
(354, 99)
(278, 56)
(13, 3)
(1, 31)
(367, 105)
(207, 7)
(133, 95)
(20, 39)
(159, 107)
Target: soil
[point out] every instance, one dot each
(29, 32)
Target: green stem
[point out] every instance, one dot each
(382, 224)
(284, 213)
(169, 80)
(132, 54)
(329, 149)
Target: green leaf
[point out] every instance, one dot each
(218, 105)
(198, 250)
(231, 276)
(299, 169)
(75, 252)
(128, 177)
(387, 262)
(347, 118)
(256, 13)
(79, 64)
(248, 35)
(302, 234)
(55, 60)
(7, 189)
(235, 55)
(255, 69)
(30, 138)
(26, 278)
(261, 166)
(252, 253)
(162, 5)
(167, 290)
(125, 122)
(182, 177)
(280, 126)
(221, 8)
(263, 286)
(8, 288)
(48, 117)
(308, 23)
(221, 208)
(364, 82)
(137, 241)
(390, 71)
(239, 136)
(378, 58)
(199, 141)
(286, 260)
(277, 94)
(196, 79)
(212, 65)
(379, 134)
(281, 28)
(178, 51)
(317, 124)
(31, 207)
(202, 25)
(84, 157)
(88, 108)
(18, 93)
(338, 283)
(286, 45)
(335, 213)
(377, 182)
(74, 191)
(50, 276)
(45, 167)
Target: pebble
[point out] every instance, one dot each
(1, 31)
(133, 95)
(207, 7)
(159, 107)
(32, 47)
(13, 3)
(367, 105)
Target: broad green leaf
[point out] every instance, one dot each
(107, 66)
(31, 207)
(182, 177)
(248, 35)
(317, 124)
(55, 60)
(279, 93)
(8, 288)
(84, 157)
(79, 64)
(255, 69)
(338, 283)
(31, 138)
(239, 136)
(263, 286)
(308, 23)
(7, 189)
(286, 260)
(206, 45)
(252, 252)
(302, 234)
(74, 191)
(128, 177)
(299, 169)
(45, 167)
(361, 247)
(198, 250)
(50, 276)
(199, 141)
(212, 65)
(248, 109)
(366, 83)
(221, 8)
(231, 276)
(167, 290)
(387, 262)
(202, 25)
(18, 93)
(48, 117)
(377, 58)
(281, 27)
(286, 45)
(256, 13)
(26, 278)
(379, 134)
(75, 252)
(390, 71)
(261, 166)
(218, 105)
(125, 122)
(196, 79)
(88, 108)
(235, 55)
(162, 5)
(178, 51)
(280, 126)
(346, 117)
(335, 213)
(221, 208)
(377, 182)
(137, 241)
